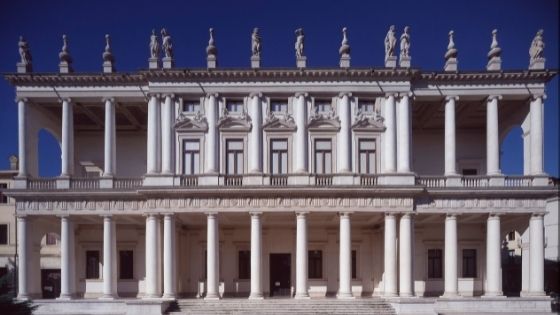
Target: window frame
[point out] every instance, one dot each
(430, 275)
(121, 264)
(239, 105)
(192, 152)
(196, 106)
(465, 273)
(97, 266)
(280, 159)
(244, 270)
(236, 153)
(315, 274)
(7, 233)
(323, 156)
(367, 152)
(279, 102)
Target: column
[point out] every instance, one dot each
(493, 257)
(405, 256)
(152, 245)
(390, 135)
(22, 136)
(301, 256)
(345, 260)
(167, 120)
(169, 257)
(403, 134)
(110, 138)
(212, 260)
(344, 143)
(154, 137)
(525, 262)
(109, 258)
(390, 263)
(536, 279)
(256, 256)
(212, 142)
(450, 159)
(67, 158)
(67, 258)
(23, 251)
(301, 154)
(536, 135)
(255, 136)
(451, 280)
(492, 136)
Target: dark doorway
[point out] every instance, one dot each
(50, 283)
(280, 274)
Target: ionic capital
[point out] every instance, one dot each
(409, 94)
(301, 94)
(255, 214)
(492, 97)
(211, 214)
(168, 95)
(451, 97)
(67, 100)
(210, 95)
(345, 214)
(536, 96)
(537, 216)
(343, 94)
(302, 214)
(255, 94)
(108, 99)
(21, 99)
(153, 95)
(391, 94)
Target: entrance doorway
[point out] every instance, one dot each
(50, 283)
(280, 275)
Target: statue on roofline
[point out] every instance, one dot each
(405, 43)
(166, 44)
(24, 52)
(390, 42)
(299, 46)
(255, 43)
(537, 46)
(154, 45)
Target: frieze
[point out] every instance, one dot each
(483, 204)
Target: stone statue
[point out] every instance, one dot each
(405, 43)
(24, 52)
(299, 46)
(452, 52)
(64, 54)
(166, 44)
(390, 42)
(495, 50)
(537, 47)
(255, 43)
(211, 50)
(154, 45)
(344, 50)
(107, 54)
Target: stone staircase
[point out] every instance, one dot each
(281, 306)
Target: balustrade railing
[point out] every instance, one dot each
(189, 181)
(41, 183)
(518, 181)
(323, 180)
(475, 181)
(84, 183)
(127, 183)
(233, 180)
(278, 180)
(431, 181)
(368, 180)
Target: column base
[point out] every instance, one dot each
(65, 297)
(533, 294)
(406, 295)
(212, 297)
(23, 297)
(256, 296)
(108, 297)
(151, 297)
(450, 295)
(493, 295)
(390, 295)
(345, 296)
(302, 296)
(169, 296)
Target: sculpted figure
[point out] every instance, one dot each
(166, 44)
(255, 43)
(344, 46)
(24, 52)
(405, 43)
(537, 46)
(107, 54)
(211, 50)
(154, 45)
(495, 50)
(64, 54)
(299, 43)
(390, 42)
(451, 50)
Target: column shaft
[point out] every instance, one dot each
(390, 259)
(212, 143)
(301, 256)
(167, 152)
(536, 135)
(390, 135)
(450, 137)
(255, 136)
(403, 135)
(110, 139)
(169, 257)
(109, 258)
(212, 260)
(256, 257)
(154, 138)
(152, 244)
(23, 251)
(493, 257)
(22, 137)
(451, 280)
(525, 262)
(405, 256)
(536, 280)
(67, 259)
(492, 137)
(345, 259)
(67, 158)
(300, 110)
(344, 143)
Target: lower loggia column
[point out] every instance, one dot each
(390, 262)
(67, 259)
(493, 257)
(212, 260)
(536, 278)
(169, 257)
(405, 256)
(109, 258)
(451, 281)
(256, 256)
(152, 244)
(301, 256)
(23, 251)
(345, 260)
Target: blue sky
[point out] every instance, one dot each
(129, 23)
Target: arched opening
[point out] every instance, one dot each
(511, 263)
(50, 265)
(511, 152)
(48, 154)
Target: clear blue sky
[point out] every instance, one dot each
(130, 23)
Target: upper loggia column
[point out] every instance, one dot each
(344, 143)
(67, 158)
(169, 257)
(403, 134)
(109, 258)
(212, 260)
(390, 259)
(450, 136)
(345, 257)
(212, 142)
(390, 138)
(110, 138)
(167, 147)
(256, 256)
(152, 261)
(301, 256)
(22, 136)
(492, 136)
(536, 256)
(67, 258)
(154, 135)
(451, 280)
(405, 256)
(493, 257)
(23, 251)
(255, 136)
(300, 110)
(536, 134)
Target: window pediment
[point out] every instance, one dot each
(279, 122)
(368, 122)
(327, 120)
(233, 122)
(196, 122)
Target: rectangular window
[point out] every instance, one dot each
(323, 156)
(354, 264)
(92, 264)
(191, 157)
(234, 106)
(470, 171)
(3, 234)
(323, 106)
(435, 264)
(366, 107)
(191, 106)
(244, 266)
(279, 156)
(278, 107)
(315, 264)
(366, 153)
(51, 239)
(469, 263)
(234, 150)
(3, 198)
(126, 264)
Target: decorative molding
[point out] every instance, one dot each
(323, 120)
(234, 122)
(481, 204)
(196, 122)
(279, 122)
(368, 122)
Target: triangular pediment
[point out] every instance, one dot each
(279, 122)
(368, 124)
(191, 123)
(235, 123)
